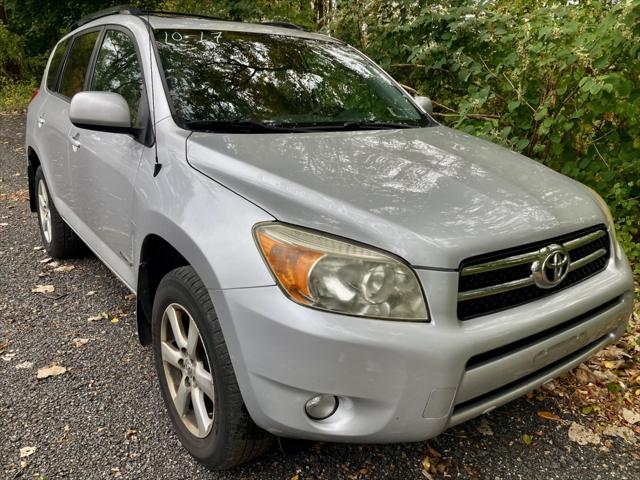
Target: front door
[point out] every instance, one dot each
(104, 165)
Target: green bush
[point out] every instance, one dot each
(14, 96)
(557, 81)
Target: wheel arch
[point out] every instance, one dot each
(33, 162)
(157, 258)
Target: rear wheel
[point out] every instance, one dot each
(57, 237)
(196, 377)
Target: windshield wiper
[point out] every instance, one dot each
(375, 125)
(242, 126)
(355, 125)
(252, 126)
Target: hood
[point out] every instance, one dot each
(433, 196)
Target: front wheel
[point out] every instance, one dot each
(196, 377)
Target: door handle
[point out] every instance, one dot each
(75, 144)
(41, 121)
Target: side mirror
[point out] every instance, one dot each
(101, 111)
(424, 103)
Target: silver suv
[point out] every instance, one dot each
(313, 255)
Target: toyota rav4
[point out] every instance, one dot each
(313, 255)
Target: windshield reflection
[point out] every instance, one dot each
(224, 76)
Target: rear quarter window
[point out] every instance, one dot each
(54, 67)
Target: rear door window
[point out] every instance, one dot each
(118, 70)
(77, 65)
(54, 67)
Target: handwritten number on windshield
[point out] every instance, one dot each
(178, 37)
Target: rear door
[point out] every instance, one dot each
(103, 164)
(53, 118)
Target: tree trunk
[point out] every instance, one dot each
(318, 6)
(3, 15)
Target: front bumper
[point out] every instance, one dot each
(404, 381)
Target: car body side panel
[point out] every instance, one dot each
(103, 174)
(207, 223)
(52, 125)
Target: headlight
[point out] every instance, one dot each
(329, 274)
(607, 213)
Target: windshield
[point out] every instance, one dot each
(217, 78)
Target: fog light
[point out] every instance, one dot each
(321, 406)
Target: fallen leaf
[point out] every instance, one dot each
(23, 464)
(549, 386)
(90, 292)
(53, 264)
(130, 433)
(8, 356)
(526, 439)
(46, 260)
(582, 435)
(434, 453)
(78, 342)
(38, 248)
(64, 268)
(630, 416)
(587, 409)
(27, 451)
(426, 466)
(548, 416)
(612, 365)
(100, 316)
(584, 375)
(52, 371)
(484, 428)
(24, 365)
(43, 289)
(295, 477)
(131, 296)
(623, 432)
(115, 320)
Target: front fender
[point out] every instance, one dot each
(208, 224)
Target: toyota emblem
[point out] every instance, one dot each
(551, 267)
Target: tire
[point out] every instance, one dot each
(182, 301)
(57, 237)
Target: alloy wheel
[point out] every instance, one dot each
(187, 370)
(44, 211)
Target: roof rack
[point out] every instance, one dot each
(129, 10)
(285, 25)
(180, 14)
(118, 9)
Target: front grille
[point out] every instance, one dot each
(501, 280)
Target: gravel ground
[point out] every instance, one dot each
(104, 417)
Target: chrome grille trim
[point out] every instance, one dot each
(495, 289)
(498, 264)
(588, 259)
(528, 257)
(578, 242)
